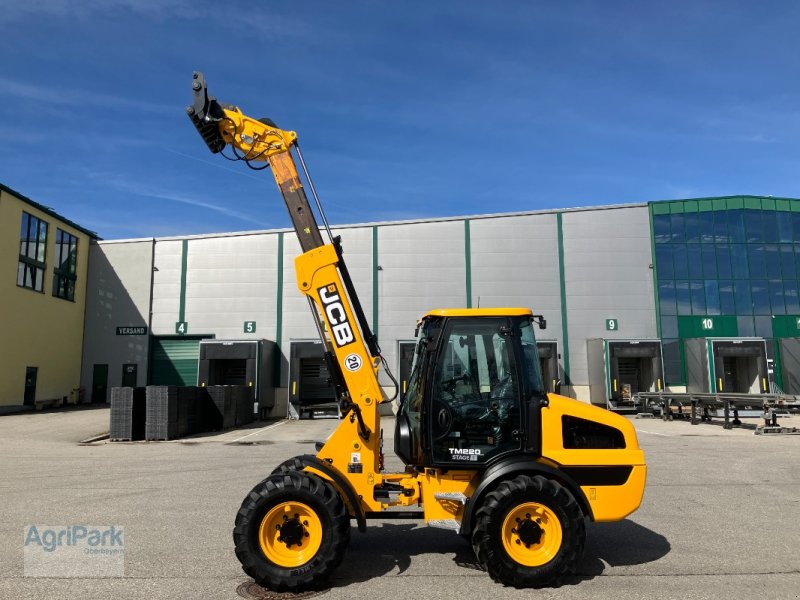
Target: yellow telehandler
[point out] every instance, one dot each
(488, 453)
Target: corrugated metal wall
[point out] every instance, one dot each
(607, 275)
(167, 287)
(230, 281)
(491, 261)
(423, 266)
(515, 263)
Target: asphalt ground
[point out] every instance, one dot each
(720, 517)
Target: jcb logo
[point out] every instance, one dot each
(337, 317)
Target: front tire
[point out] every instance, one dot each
(291, 532)
(292, 464)
(529, 532)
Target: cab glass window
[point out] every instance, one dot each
(475, 406)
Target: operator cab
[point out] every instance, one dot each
(475, 389)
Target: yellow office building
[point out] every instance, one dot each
(43, 274)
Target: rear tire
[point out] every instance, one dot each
(529, 532)
(291, 532)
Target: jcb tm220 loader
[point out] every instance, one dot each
(488, 453)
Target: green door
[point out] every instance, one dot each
(174, 360)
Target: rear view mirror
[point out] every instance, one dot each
(540, 321)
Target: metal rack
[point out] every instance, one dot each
(703, 407)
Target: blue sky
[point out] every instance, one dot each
(404, 109)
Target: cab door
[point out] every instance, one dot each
(474, 411)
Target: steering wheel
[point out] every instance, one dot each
(449, 385)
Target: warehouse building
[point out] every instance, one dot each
(43, 281)
(626, 291)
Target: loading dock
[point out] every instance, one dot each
(730, 365)
(789, 357)
(174, 359)
(548, 364)
(310, 384)
(239, 362)
(619, 369)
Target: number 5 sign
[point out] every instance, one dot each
(612, 324)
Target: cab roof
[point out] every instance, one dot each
(479, 312)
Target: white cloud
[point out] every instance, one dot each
(252, 22)
(78, 98)
(148, 191)
(159, 9)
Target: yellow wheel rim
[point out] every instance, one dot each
(532, 534)
(290, 534)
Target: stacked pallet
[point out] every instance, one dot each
(168, 412)
(244, 397)
(190, 417)
(162, 421)
(223, 408)
(127, 414)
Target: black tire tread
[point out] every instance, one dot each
(292, 464)
(489, 518)
(302, 487)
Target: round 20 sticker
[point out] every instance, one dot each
(352, 362)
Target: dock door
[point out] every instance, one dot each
(619, 369)
(173, 360)
(239, 362)
(310, 385)
(733, 365)
(789, 350)
(548, 363)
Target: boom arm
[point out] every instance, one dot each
(353, 353)
(254, 140)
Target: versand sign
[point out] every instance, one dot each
(132, 330)
(341, 329)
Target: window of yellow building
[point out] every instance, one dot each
(66, 269)
(32, 253)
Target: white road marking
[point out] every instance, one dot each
(260, 430)
(654, 433)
